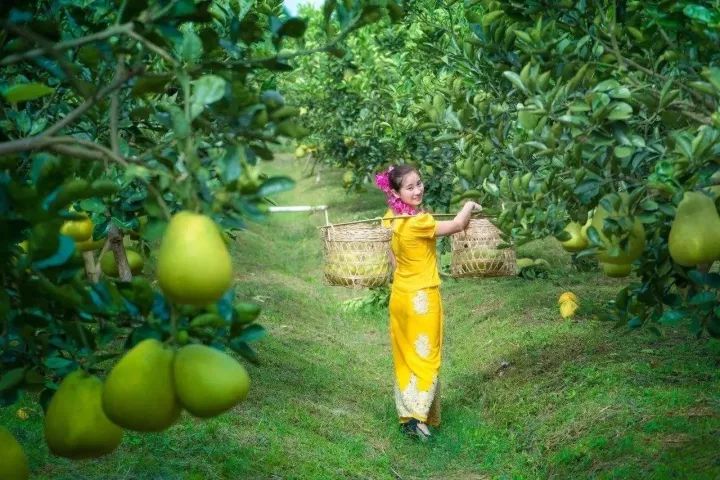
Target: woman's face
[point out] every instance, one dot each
(411, 190)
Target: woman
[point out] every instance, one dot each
(416, 316)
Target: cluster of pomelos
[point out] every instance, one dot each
(145, 391)
(694, 237)
(153, 382)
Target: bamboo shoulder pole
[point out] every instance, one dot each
(379, 219)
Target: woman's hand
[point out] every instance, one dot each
(460, 222)
(472, 206)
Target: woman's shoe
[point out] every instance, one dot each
(417, 429)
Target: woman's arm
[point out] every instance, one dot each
(459, 223)
(393, 263)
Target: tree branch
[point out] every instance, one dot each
(310, 51)
(115, 239)
(83, 107)
(66, 145)
(153, 47)
(624, 60)
(114, 107)
(109, 32)
(91, 269)
(62, 61)
(107, 153)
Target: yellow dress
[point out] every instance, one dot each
(416, 318)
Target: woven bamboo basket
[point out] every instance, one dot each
(356, 254)
(475, 252)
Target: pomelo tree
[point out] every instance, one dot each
(115, 116)
(597, 116)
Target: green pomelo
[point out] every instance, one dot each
(194, 266)
(75, 425)
(576, 242)
(109, 266)
(636, 237)
(139, 392)
(616, 270)
(695, 232)
(208, 381)
(13, 461)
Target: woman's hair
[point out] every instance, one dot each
(398, 173)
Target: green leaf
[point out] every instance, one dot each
(328, 9)
(620, 92)
(180, 125)
(154, 230)
(587, 190)
(191, 49)
(622, 151)
(606, 86)
(293, 27)
(245, 350)
(701, 14)
(58, 363)
(649, 205)
(251, 333)
(671, 317)
(12, 378)
(594, 236)
(26, 91)
(712, 75)
(276, 185)
(65, 251)
(702, 278)
(93, 205)
(703, 298)
(232, 164)
(150, 83)
(515, 80)
(206, 90)
(620, 111)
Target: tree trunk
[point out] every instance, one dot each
(115, 238)
(92, 270)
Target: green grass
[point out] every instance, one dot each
(525, 395)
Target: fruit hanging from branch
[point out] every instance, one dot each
(194, 266)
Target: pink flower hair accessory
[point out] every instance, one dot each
(382, 180)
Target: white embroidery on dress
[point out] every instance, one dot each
(412, 402)
(422, 346)
(420, 302)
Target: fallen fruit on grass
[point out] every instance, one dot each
(568, 309)
(567, 296)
